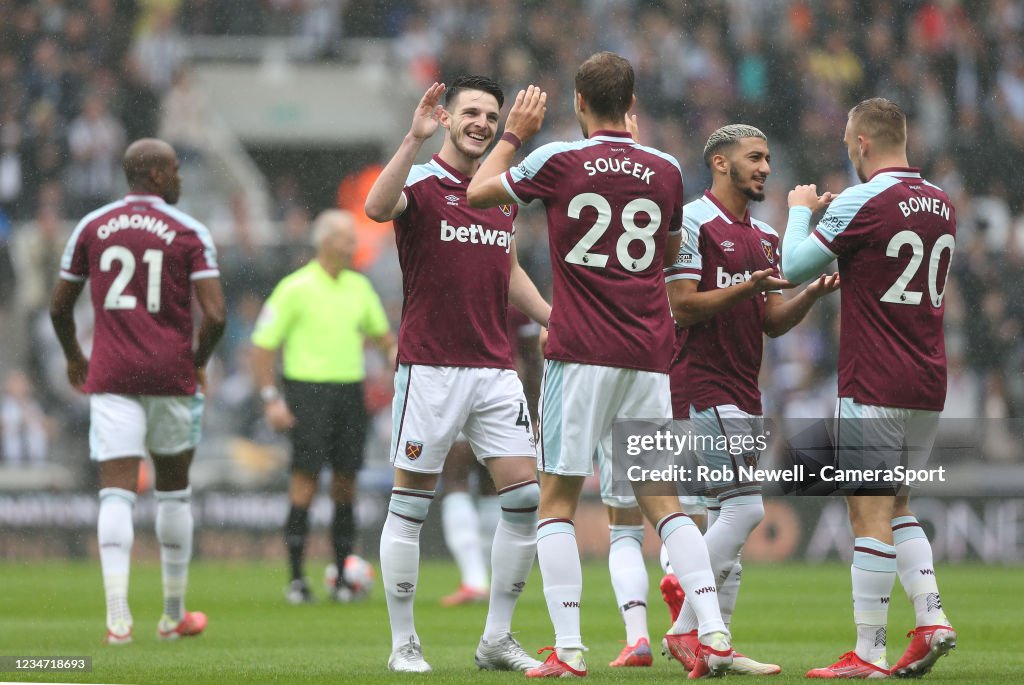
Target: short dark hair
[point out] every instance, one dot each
(605, 81)
(881, 120)
(728, 136)
(481, 83)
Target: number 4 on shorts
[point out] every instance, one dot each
(523, 419)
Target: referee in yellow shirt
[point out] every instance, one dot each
(321, 314)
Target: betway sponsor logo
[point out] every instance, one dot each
(726, 279)
(142, 222)
(476, 235)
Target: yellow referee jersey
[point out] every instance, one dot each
(321, 323)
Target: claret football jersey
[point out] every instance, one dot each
(894, 238)
(140, 256)
(456, 264)
(611, 204)
(721, 358)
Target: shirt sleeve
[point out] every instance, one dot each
(275, 319)
(375, 320)
(533, 178)
(74, 262)
(803, 256)
(203, 257)
(688, 261)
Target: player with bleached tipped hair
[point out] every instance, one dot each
(455, 369)
(726, 291)
(893, 237)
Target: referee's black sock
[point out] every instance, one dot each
(343, 533)
(295, 532)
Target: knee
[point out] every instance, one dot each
(519, 503)
(745, 512)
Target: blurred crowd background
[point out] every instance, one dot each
(81, 78)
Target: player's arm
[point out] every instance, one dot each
(387, 345)
(524, 121)
(523, 293)
(385, 200)
(691, 306)
(62, 314)
(675, 241)
(803, 257)
(211, 324)
(780, 314)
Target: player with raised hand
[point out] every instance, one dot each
(143, 258)
(455, 368)
(726, 290)
(893, 237)
(614, 211)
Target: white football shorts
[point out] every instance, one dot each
(870, 436)
(580, 402)
(130, 425)
(688, 504)
(433, 404)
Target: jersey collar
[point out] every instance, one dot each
(452, 171)
(904, 172)
(722, 208)
(612, 136)
(143, 197)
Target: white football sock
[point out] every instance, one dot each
(629, 579)
(116, 533)
(462, 536)
(560, 569)
(400, 559)
(689, 557)
(729, 592)
(174, 526)
(873, 573)
(512, 555)
(917, 571)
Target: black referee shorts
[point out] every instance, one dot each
(330, 426)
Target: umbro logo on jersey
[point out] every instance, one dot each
(453, 200)
(769, 251)
(728, 245)
(413, 449)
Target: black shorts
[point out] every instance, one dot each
(330, 426)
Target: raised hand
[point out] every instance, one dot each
(823, 285)
(765, 280)
(527, 113)
(807, 196)
(428, 111)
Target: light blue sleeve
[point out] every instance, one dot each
(803, 257)
(688, 259)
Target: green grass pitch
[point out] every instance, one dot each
(797, 615)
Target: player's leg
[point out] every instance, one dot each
(625, 561)
(311, 445)
(933, 635)
(671, 591)
(576, 411)
(428, 410)
(349, 441)
(117, 433)
(174, 430)
(629, 582)
(499, 430)
(461, 525)
(867, 441)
